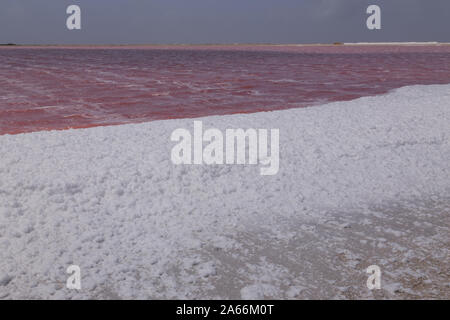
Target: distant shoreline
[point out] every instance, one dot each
(431, 43)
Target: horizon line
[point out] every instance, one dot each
(229, 44)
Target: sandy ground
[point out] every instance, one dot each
(327, 258)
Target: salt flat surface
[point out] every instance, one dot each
(360, 183)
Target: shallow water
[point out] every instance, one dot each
(57, 88)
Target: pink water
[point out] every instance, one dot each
(58, 88)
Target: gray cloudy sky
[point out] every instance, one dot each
(222, 21)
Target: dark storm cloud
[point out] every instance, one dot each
(222, 21)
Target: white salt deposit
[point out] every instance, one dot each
(360, 183)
